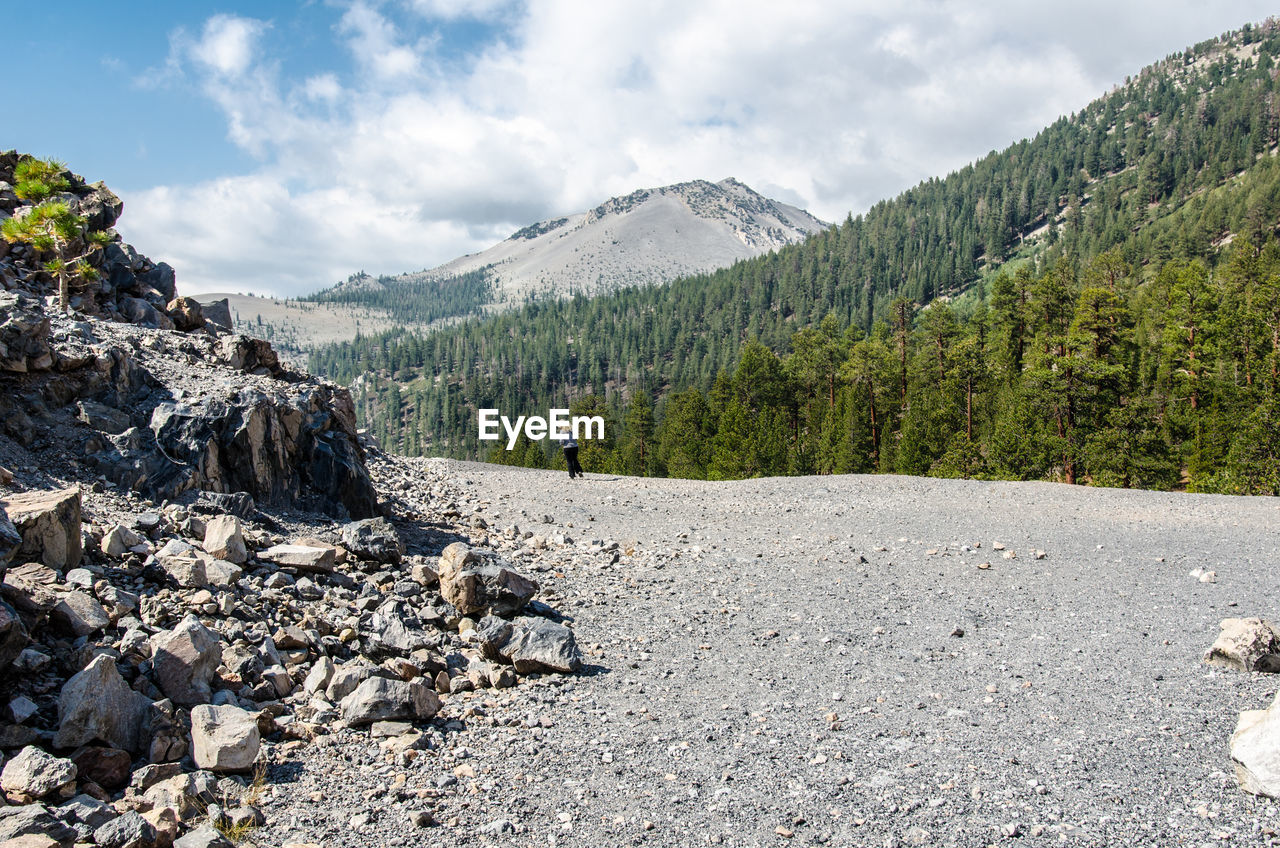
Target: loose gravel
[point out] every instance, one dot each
(837, 661)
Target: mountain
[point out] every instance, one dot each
(647, 237)
(1158, 201)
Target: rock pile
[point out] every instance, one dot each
(179, 605)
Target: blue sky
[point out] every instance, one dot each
(277, 147)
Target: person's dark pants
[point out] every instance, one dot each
(571, 458)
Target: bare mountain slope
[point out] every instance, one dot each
(647, 237)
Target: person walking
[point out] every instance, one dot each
(571, 457)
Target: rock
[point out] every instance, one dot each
(373, 539)
(107, 767)
(380, 699)
(97, 704)
(224, 738)
(476, 580)
(1246, 644)
(24, 334)
(10, 541)
(219, 312)
(34, 820)
(86, 810)
(79, 614)
(31, 840)
(49, 523)
(536, 644)
(301, 557)
(99, 416)
(253, 356)
(13, 635)
(295, 448)
(136, 310)
(396, 630)
(239, 504)
(128, 831)
(119, 540)
(34, 774)
(186, 313)
(223, 539)
(203, 837)
(345, 680)
(320, 675)
(185, 660)
(1255, 751)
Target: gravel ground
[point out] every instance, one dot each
(822, 661)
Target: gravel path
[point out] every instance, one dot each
(781, 662)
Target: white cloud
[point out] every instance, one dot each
(414, 156)
(227, 44)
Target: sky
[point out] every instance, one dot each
(275, 147)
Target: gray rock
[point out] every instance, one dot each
(301, 557)
(87, 811)
(396, 630)
(380, 699)
(1246, 644)
(373, 539)
(102, 417)
(476, 580)
(34, 774)
(224, 738)
(184, 660)
(34, 820)
(223, 539)
(345, 680)
(13, 635)
(536, 644)
(186, 313)
(49, 523)
(79, 614)
(128, 831)
(319, 676)
(118, 540)
(203, 837)
(10, 541)
(97, 704)
(219, 312)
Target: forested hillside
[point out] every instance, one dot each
(1101, 309)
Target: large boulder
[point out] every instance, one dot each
(294, 448)
(380, 699)
(184, 660)
(218, 312)
(1255, 750)
(34, 774)
(97, 705)
(186, 313)
(224, 738)
(1246, 644)
(130, 830)
(49, 523)
(224, 539)
(301, 557)
(529, 644)
(374, 540)
(476, 580)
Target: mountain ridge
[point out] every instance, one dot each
(647, 237)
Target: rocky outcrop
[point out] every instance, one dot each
(295, 448)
